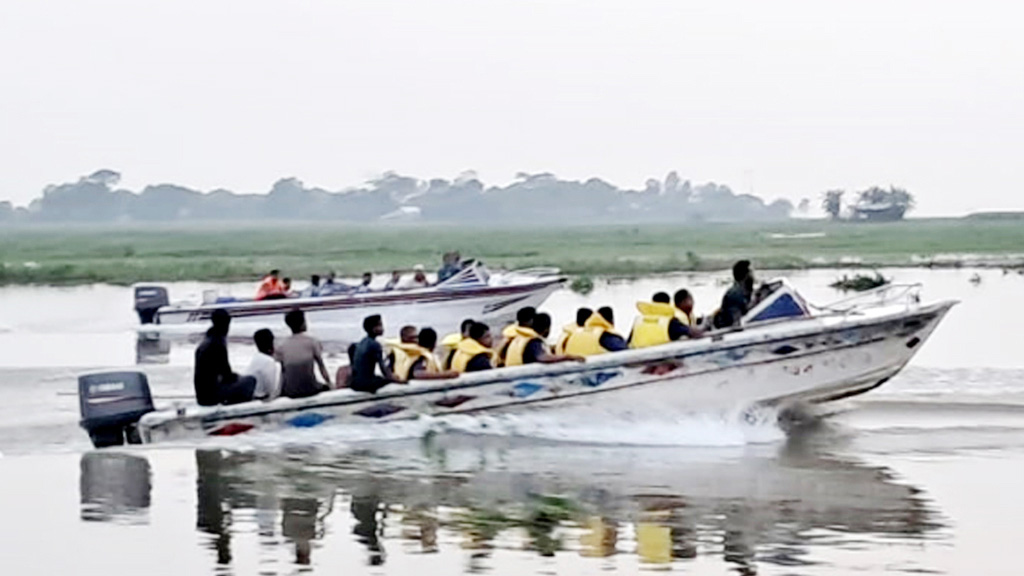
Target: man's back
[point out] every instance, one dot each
(365, 358)
(734, 305)
(297, 355)
(211, 369)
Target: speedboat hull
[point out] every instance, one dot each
(805, 360)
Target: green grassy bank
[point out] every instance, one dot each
(126, 254)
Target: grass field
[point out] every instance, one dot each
(122, 255)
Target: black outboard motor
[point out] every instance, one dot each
(149, 299)
(111, 405)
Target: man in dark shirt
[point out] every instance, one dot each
(213, 379)
(736, 301)
(537, 349)
(422, 369)
(368, 356)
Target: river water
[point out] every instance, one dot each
(917, 477)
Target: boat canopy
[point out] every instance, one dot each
(782, 301)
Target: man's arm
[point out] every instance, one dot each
(384, 368)
(319, 359)
(544, 356)
(677, 330)
(420, 372)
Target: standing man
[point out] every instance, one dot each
(367, 356)
(736, 301)
(213, 379)
(298, 354)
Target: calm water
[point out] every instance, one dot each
(918, 477)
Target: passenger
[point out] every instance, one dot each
(449, 266)
(396, 279)
(213, 379)
(474, 353)
(364, 286)
(736, 301)
(332, 287)
(530, 345)
(406, 336)
(418, 361)
(264, 368)
(313, 290)
(597, 336)
(569, 329)
(522, 325)
(271, 286)
(658, 323)
(418, 280)
(451, 342)
(298, 355)
(287, 285)
(683, 301)
(368, 356)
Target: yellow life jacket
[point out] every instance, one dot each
(651, 327)
(587, 341)
(406, 355)
(507, 334)
(517, 347)
(450, 343)
(567, 331)
(466, 351)
(684, 318)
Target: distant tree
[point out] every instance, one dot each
(804, 206)
(832, 203)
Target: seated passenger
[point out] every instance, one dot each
(300, 354)
(597, 336)
(313, 290)
(418, 280)
(449, 266)
(364, 286)
(474, 354)
(523, 324)
(407, 336)
(213, 379)
(683, 301)
(287, 285)
(332, 287)
(569, 329)
(264, 368)
(736, 301)
(271, 286)
(451, 342)
(396, 279)
(657, 324)
(367, 357)
(530, 345)
(417, 361)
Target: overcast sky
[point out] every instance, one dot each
(781, 98)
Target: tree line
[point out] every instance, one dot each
(530, 198)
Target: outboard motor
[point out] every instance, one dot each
(149, 299)
(112, 404)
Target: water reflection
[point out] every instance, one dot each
(114, 487)
(469, 497)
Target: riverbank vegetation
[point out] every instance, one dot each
(123, 255)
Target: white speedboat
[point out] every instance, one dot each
(785, 352)
(474, 293)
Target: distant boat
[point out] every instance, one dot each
(879, 212)
(473, 293)
(785, 352)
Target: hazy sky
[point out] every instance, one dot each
(782, 98)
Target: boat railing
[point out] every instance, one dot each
(888, 294)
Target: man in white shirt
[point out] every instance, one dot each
(264, 368)
(418, 280)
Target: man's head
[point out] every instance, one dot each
(373, 326)
(542, 324)
(465, 327)
(582, 315)
(607, 313)
(331, 276)
(287, 283)
(367, 278)
(296, 320)
(741, 271)
(408, 334)
(684, 300)
(427, 339)
(481, 333)
(419, 272)
(314, 279)
(661, 298)
(275, 274)
(396, 275)
(525, 316)
(221, 321)
(264, 340)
